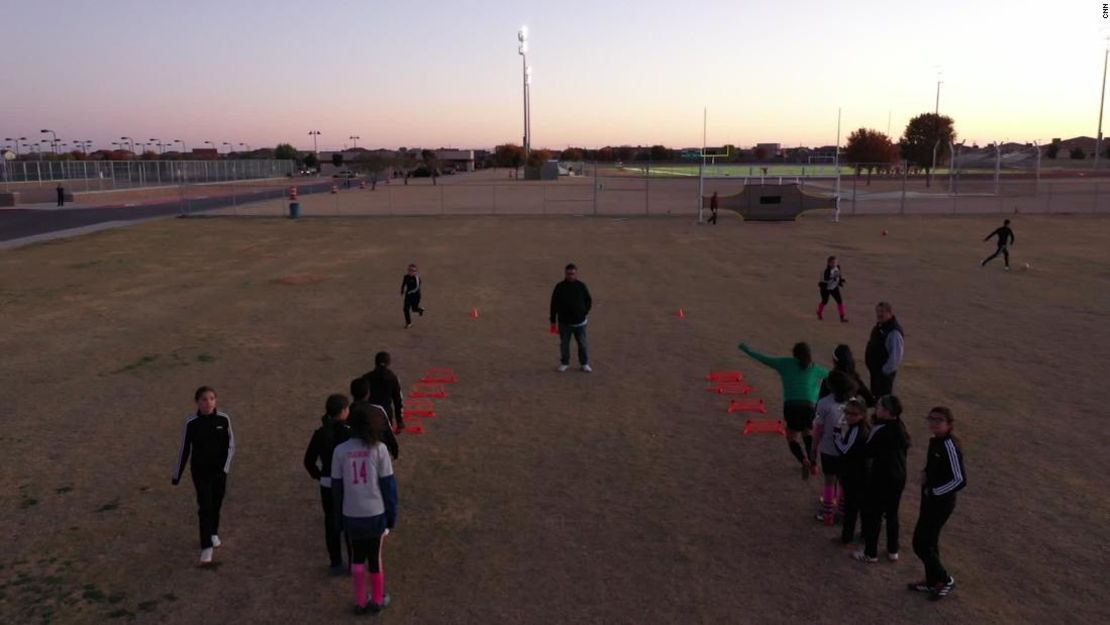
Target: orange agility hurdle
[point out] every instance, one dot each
(410, 429)
(440, 375)
(764, 426)
(747, 405)
(725, 376)
(731, 388)
(428, 390)
(419, 408)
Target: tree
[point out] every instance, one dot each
(1052, 150)
(536, 158)
(310, 161)
(431, 162)
(573, 154)
(924, 134)
(337, 159)
(508, 155)
(1077, 154)
(869, 149)
(760, 153)
(661, 153)
(284, 151)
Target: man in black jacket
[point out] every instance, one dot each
(570, 309)
(884, 350)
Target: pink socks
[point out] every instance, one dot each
(821, 311)
(358, 576)
(840, 309)
(377, 587)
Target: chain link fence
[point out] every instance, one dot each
(107, 175)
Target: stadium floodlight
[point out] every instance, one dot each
(122, 139)
(54, 141)
(246, 146)
(355, 139)
(314, 133)
(1101, 101)
(183, 148)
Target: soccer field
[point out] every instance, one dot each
(624, 496)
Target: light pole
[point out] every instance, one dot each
(229, 146)
(16, 142)
(246, 146)
(314, 133)
(54, 142)
(156, 143)
(354, 139)
(936, 129)
(122, 139)
(183, 148)
(213, 146)
(1101, 100)
(522, 50)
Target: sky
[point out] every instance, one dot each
(447, 74)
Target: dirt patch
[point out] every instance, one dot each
(300, 279)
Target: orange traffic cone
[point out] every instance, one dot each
(681, 314)
(362, 184)
(474, 314)
(334, 189)
(292, 193)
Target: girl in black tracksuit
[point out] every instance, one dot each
(333, 431)
(831, 281)
(942, 478)
(852, 464)
(844, 361)
(886, 479)
(410, 293)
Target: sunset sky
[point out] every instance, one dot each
(437, 73)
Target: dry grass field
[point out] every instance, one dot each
(625, 496)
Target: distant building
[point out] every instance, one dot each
(773, 150)
(205, 154)
(461, 160)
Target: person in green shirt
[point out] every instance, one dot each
(801, 382)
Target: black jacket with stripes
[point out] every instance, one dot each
(944, 468)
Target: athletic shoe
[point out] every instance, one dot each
(860, 556)
(563, 368)
(587, 369)
(337, 570)
(893, 557)
(820, 317)
(919, 587)
(206, 556)
(216, 541)
(1007, 268)
(843, 320)
(941, 591)
(408, 325)
(421, 312)
(370, 608)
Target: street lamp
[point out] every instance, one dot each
(16, 140)
(183, 148)
(211, 144)
(1101, 101)
(122, 139)
(522, 50)
(314, 133)
(228, 147)
(936, 130)
(155, 143)
(355, 139)
(53, 143)
(246, 146)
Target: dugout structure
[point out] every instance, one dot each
(772, 202)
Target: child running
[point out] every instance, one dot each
(844, 361)
(831, 281)
(827, 427)
(1005, 240)
(886, 450)
(317, 461)
(208, 438)
(801, 379)
(942, 478)
(366, 497)
(360, 394)
(853, 464)
(410, 293)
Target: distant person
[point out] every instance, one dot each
(366, 499)
(332, 432)
(410, 293)
(801, 380)
(886, 479)
(360, 394)
(570, 311)
(61, 195)
(885, 350)
(209, 440)
(1005, 240)
(831, 281)
(852, 464)
(942, 478)
(374, 181)
(385, 391)
(713, 209)
(844, 361)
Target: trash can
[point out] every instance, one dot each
(294, 210)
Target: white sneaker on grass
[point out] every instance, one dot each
(206, 556)
(893, 557)
(587, 369)
(216, 541)
(563, 368)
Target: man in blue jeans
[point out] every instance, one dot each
(570, 309)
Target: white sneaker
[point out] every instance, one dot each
(206, 556)
(587, 369)
(563, 368)
(216, 541)
(893, 557)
